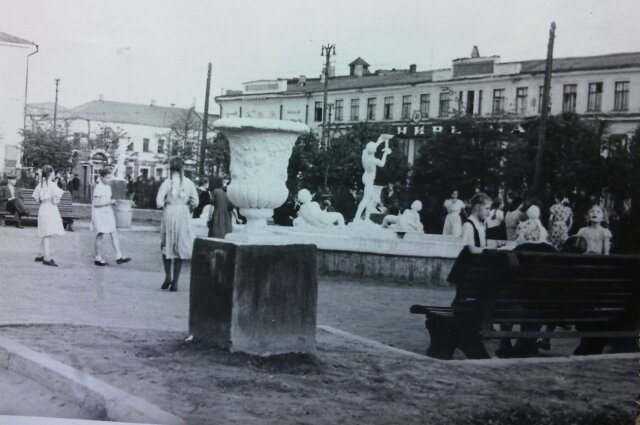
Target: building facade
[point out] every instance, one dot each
(412, 102)
(148, 131)
(13, 73)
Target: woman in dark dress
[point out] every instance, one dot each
(220, 221)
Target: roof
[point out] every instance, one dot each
(8, 38)
(582, 63)
(132, 113)
(44, 109)
(359, 61)
(404, 77)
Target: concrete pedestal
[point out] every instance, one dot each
(254, 298)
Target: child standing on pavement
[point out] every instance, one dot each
(103, 219)
(49, 220)
(473, 230)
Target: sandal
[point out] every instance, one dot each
(100, 263)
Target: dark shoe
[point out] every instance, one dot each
(100, 263)
(174, 287)
(49, 263)
(39, 259)
(123, 260)
(166, 285)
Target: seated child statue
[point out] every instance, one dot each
(310, 213)
(409, 220)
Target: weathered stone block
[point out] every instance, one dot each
(257, 299)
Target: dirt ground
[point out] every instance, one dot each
(346, 382)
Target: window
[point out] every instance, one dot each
(460, 101)
(339, 109)
(130, 147)
(498, 101)
(388, 108)
(445, 99)
(425, 105)
(160, 145)
(569, 95)
(406, 107)
(158, 173)
(371, 109)
(317, 114)
(594, 102)
(145, 145)
(479, 102)
(621, 101)
(521, 100)
(541, 99)
(355, 109)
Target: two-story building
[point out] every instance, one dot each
(408, 100)
(14, 52)
(149, 131)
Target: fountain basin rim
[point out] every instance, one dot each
(261, 124)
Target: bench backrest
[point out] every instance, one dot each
(516, 287)
(65, 205)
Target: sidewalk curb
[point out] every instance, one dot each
(90, 392)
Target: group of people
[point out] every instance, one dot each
(523, 225)
(521, 222)
(177, 196)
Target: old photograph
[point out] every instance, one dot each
(277, 212)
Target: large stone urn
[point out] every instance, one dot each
(260, 151)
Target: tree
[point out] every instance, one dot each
(41, 147)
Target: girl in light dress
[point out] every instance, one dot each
(453, 222)
(598, 238)
(103, 219)
(178, 197)
(50, 224)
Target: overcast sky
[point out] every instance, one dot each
(138, 50)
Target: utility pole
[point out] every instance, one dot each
(327, 51)
(26, 86)
(55, 108)
(205, 122)
(537, 179)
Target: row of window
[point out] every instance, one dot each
(145, 146)
(570, 92)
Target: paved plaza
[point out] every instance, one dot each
(129, 296)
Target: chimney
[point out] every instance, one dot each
(302, 81)
(358, 70)
(101, 97)
(173, 104)
(412, 68)
(152, 103)
(475, 53)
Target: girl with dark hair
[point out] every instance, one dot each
(178, 197)
(495, 222)
(49, 220)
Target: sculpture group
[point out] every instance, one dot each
(312, 216)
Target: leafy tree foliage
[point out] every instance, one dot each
(41, 147)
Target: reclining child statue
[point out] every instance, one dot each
(311, 215)
(408, 221)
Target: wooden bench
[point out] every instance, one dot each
(597, 295)
(32, 206)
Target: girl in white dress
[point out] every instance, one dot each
(49, 221)
(103, 219)
(453, 222)
(177, 197)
